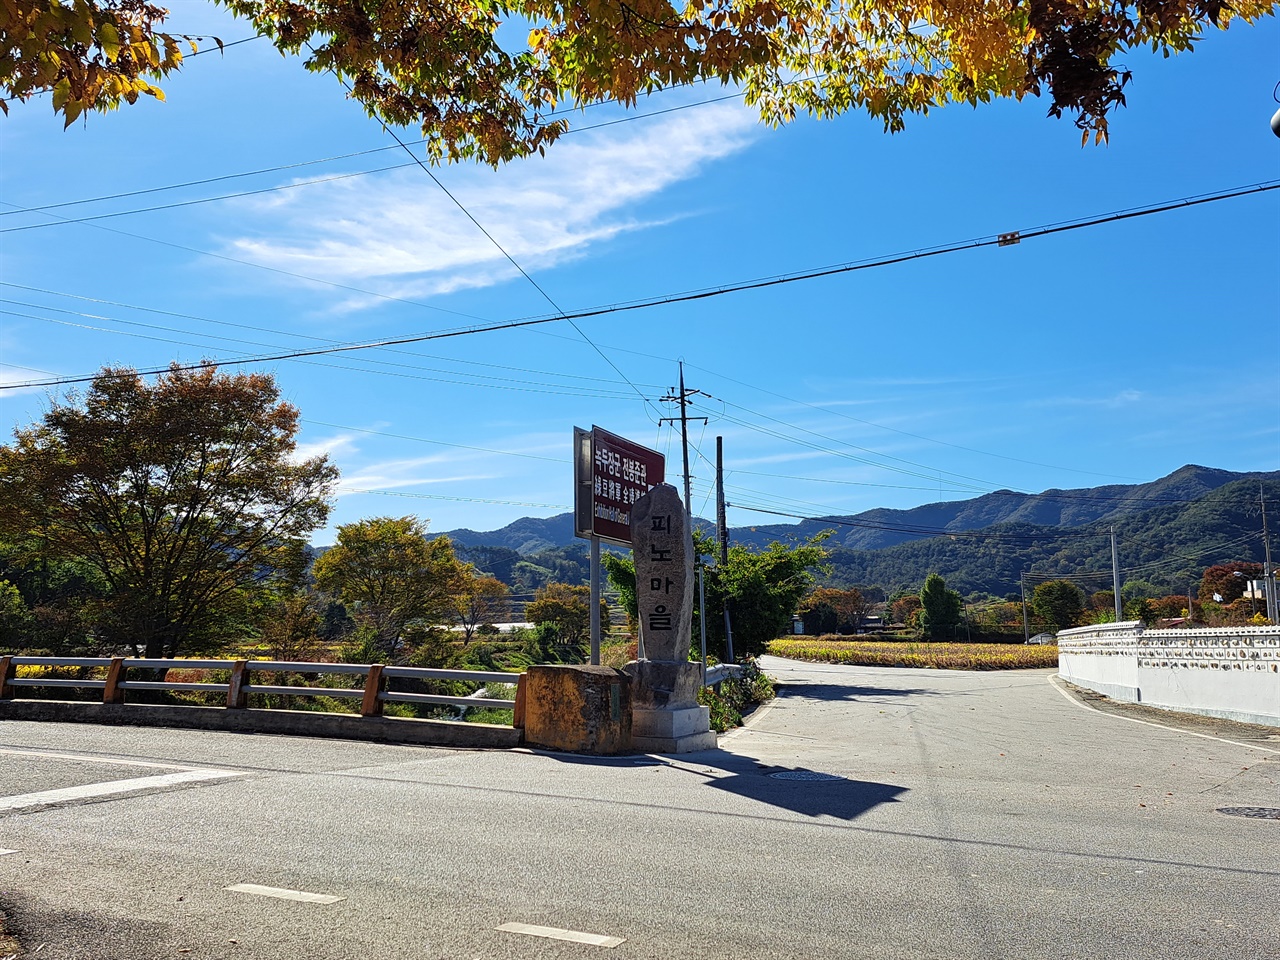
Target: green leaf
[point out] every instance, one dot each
(109, 40)
(61, 93)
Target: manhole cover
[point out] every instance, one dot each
(1253, 813)
(803, 775)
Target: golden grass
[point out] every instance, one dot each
(939, 656)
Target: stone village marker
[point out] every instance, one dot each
(652, 707)
(666, 716)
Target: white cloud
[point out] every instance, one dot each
(1123, 398)
(331, 447)
(400, 229)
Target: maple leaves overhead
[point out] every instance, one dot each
(439, 65)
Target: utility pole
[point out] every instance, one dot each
(682, 397)
(722, 521)
(722, 539)
(1026, 628)
(1268, 572)
(1115, 574)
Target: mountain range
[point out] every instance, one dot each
(1168, 530)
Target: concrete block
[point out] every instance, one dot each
(670, 724)
(661, 685)
(578, 709)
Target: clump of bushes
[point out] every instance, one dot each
(729, 700)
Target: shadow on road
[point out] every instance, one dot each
(813, 793)
(842, 799)
(833, 692)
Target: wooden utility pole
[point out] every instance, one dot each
(1268, 572)
(682, 397)
(1115, 574)
(722, 539)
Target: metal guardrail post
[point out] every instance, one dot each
(113, 692)
(7, 669)
(371, 706)
(237, 698)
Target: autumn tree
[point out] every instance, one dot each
(567, 608)
(1058, 603)
(483, 599)
(830, 610)
(291, 625)
(442, 66)
(182, 495)
(902, 608)
(1228, 581)
(940, 608)
(388, 573)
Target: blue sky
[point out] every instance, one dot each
(1114, 353)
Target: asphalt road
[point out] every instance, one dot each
(975, 815)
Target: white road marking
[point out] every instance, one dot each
(281, 894)
(113, 788)
(555, 933)
(5, 853)
(1054, 681)
(90, 758)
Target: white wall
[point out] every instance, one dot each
(1231, 672)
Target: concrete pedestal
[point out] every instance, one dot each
(666, 716)
(664, 730)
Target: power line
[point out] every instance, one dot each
(703, 294)
(322, 160)
(501, 249)
(261, 329)
(275, 270)
(503, 382)
(438, 496)
(197, 183)
(63, 221)
(925, 531)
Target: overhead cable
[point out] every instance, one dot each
(704, 294)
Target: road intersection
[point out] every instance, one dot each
(867, 812)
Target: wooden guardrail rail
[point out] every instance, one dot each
(372, 694)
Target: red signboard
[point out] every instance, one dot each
(610, 474)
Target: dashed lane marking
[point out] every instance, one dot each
(555, 933)
(113, 788)
(281, 894)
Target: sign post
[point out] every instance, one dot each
(610, 473)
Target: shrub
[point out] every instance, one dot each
(736, 696)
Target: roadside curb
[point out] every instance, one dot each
(1178, 723)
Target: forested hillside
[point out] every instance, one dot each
(1168, 532)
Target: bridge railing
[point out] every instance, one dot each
(372, 693)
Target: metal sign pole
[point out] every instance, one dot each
(702, 624)
(595, 602)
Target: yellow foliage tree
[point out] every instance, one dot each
(439, 64)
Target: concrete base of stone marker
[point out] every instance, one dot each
(683, 730)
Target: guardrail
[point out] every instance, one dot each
(373, 694)
(720, 672)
